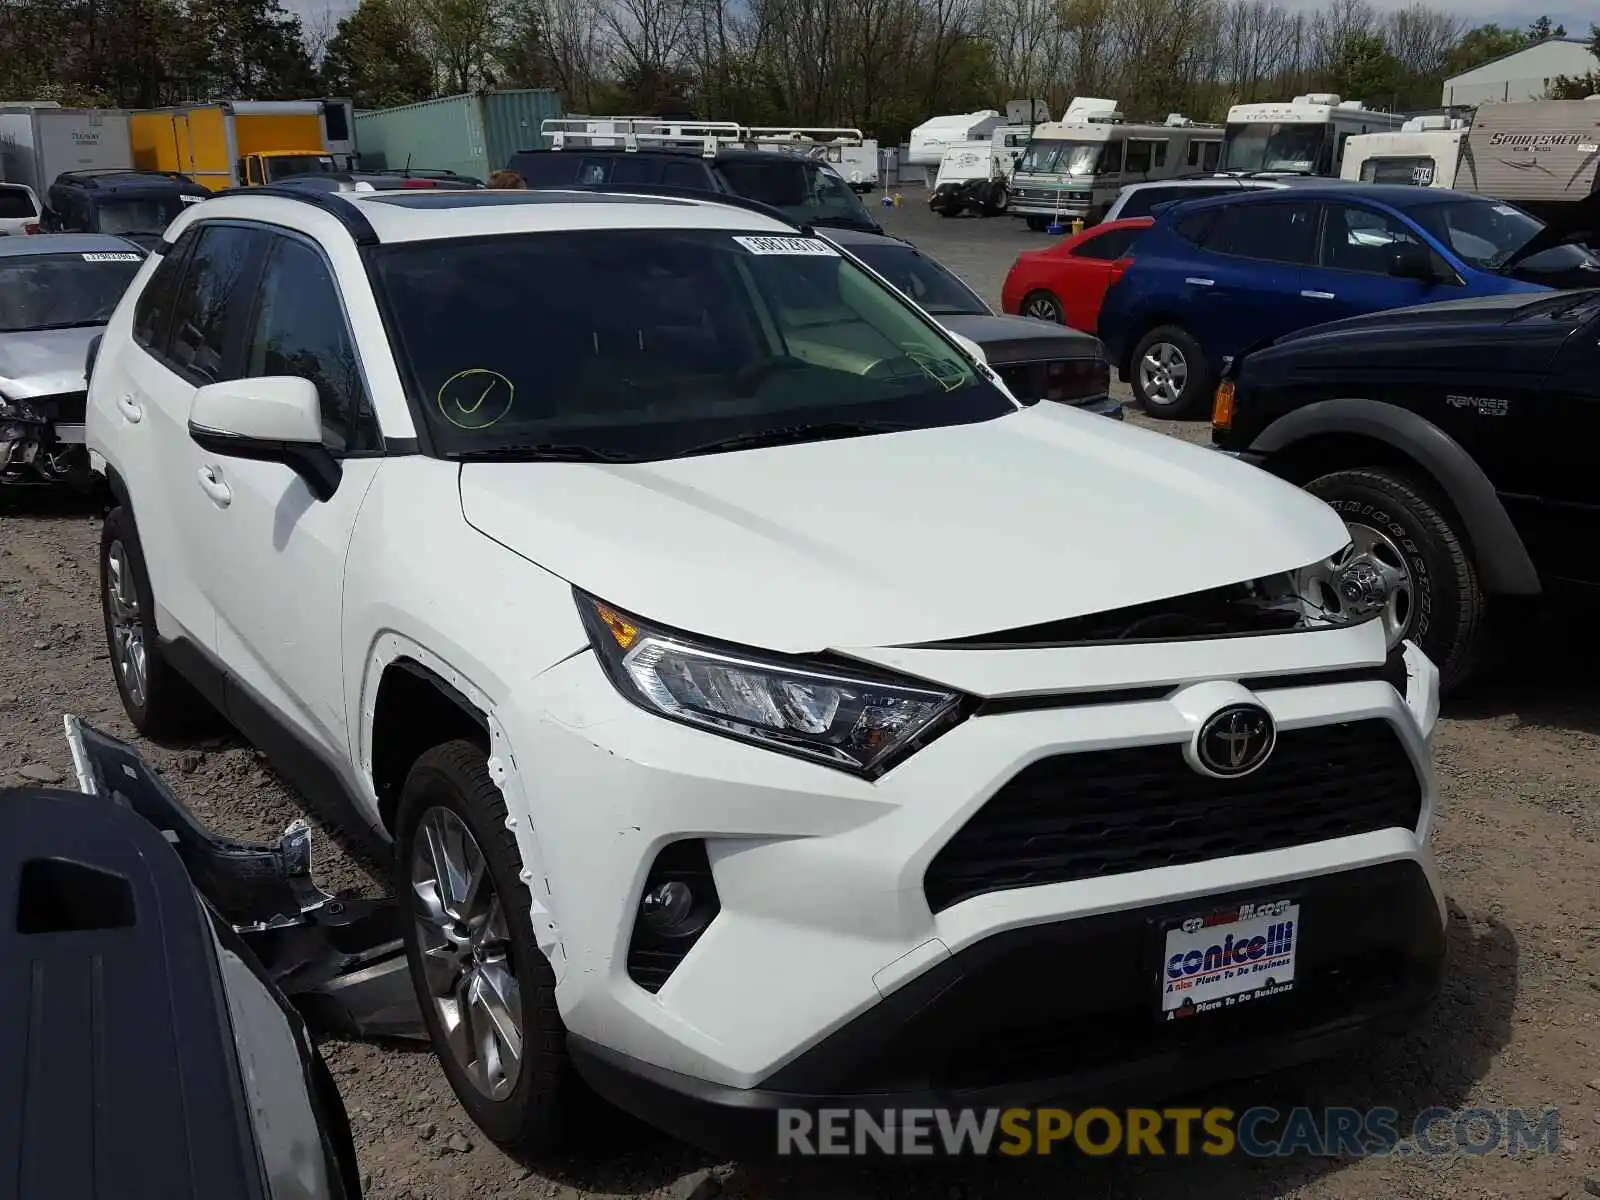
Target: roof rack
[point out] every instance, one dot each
(332, 203)
(681, 193)
(658, 133)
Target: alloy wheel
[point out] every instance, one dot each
(1376, 548)
(465, 946)
(128, 651)
(1042, 308)
(1163, 373)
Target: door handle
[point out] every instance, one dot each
(218, 492)
(1201, 282)
(131, 412)
(1314, 295)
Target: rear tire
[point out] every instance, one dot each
(1446, 614)
(1170, 376)
(449, 800)
(1043, 306)
(161, 704)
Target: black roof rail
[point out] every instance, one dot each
(672, 192)
(332, 203)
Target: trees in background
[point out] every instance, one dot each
(883, 65)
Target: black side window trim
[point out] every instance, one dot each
(272, 234)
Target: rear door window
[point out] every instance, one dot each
(1281, 232)
(15, 203)
(685, 175)
(633, 170)
(1107, 246)
(208, 315)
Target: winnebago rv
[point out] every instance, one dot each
(1424, 152)
(1074, 166)
(1540, 155)
(1304, 136)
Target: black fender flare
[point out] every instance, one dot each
(1502, 558)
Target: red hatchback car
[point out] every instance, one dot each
(1066, 282)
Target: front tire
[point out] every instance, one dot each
(1038, 224)
(160, 703)
(486, 992)
(1171, 378)
(1396, 523)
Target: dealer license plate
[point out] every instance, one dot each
(1229, 957)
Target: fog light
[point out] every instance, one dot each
(667, 906)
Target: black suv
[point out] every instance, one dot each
(804, 190)
(1457, 440)
(138, 205)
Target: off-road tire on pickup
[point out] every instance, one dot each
(539, 1114)
(1448, 601)
(1198, 383)
(171, 708)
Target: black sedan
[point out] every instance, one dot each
(1039, 360)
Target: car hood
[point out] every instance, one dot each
(904, 538)
(1577, 222)
(1020, 339)
(44, 362)
(1476, 310)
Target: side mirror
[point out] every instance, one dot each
(275, 418)
(1408, 260)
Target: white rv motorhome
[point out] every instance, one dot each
(1425, 152)
(1541, 155)
(1303, 136)
(850, 154)
(1074, 166)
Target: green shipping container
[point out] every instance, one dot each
(472, 134)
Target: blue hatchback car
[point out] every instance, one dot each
(1216, 277)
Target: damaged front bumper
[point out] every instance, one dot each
(42, 441)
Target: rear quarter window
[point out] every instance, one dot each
(1107, 246)
(1195, 228)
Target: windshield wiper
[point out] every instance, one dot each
(538, 452)
(69, 325)
(789, 435)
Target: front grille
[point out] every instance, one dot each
(1109, 812)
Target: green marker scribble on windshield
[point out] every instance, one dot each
(465, 412)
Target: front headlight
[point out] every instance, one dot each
(853, 722)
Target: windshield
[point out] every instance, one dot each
(1069, 158)
(298, 164)
(805, 191)
(1482, 233)
(136, 214)
(660, 342)
(1273, 146)
(60, 291)
(925, 281)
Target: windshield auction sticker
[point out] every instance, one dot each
(787, 245)
(113, 256)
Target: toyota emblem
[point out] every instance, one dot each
(1235, 741)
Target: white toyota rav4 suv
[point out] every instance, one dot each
(767, 710)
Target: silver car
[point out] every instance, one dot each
(57, 291)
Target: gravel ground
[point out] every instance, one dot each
(1517, 845)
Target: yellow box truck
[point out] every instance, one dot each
(231, 144)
